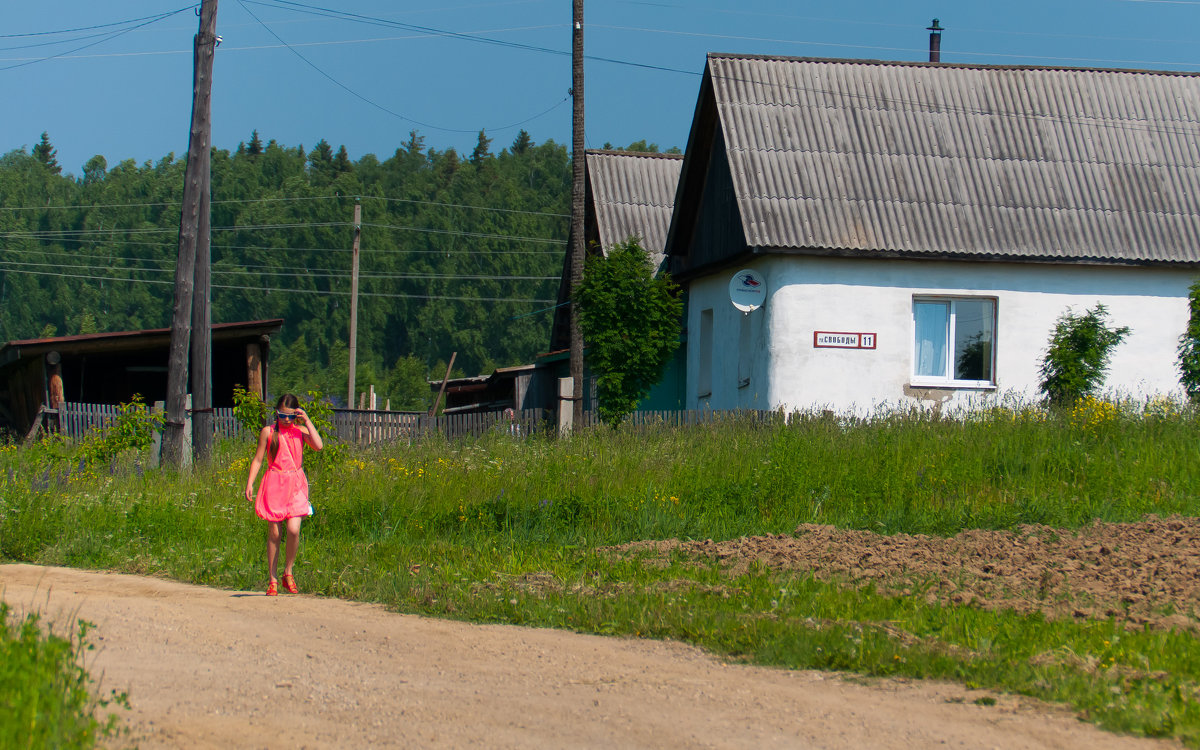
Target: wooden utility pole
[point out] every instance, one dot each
(354, 301)
(202, 415)
(577, 192)
(195, 188)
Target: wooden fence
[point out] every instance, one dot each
(76, 419)
(365, 427)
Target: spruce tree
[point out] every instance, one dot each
(481, 149)
(256, 145)
(341, 161)
(47, 154)
(522, 143)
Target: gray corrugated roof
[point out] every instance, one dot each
(634, 194)
(1043, 163)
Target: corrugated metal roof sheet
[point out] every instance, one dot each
(634, 195)
(1055, 164)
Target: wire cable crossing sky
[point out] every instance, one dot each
(298, 72)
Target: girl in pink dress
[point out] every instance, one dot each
(282, 498)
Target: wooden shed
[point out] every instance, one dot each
(110, 368)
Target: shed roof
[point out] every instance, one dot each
(633, 195)
(629, 194)
(865, 157)
(130, 340)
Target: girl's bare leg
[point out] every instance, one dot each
(273, 549)
(292, 544)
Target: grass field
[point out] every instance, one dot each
(507, 530)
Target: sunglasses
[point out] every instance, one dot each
(286, 417)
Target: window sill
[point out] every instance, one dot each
(952, 385)
(706, 394)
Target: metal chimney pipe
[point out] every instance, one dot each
(935, 41)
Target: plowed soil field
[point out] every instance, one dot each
(1145, 573)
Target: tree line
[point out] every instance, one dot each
(459, 253)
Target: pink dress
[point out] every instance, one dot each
(283, 493)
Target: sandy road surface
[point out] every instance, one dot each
(226, 669)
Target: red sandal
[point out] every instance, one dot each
(289, 584)
(273, 588)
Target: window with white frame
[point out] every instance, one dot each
(954, 341)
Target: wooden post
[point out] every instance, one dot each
(437, 401)
(354, 300)
(189, 229)
(56, 395)
(566, 387)
(156, 445)
(254, 378)
(578, 160)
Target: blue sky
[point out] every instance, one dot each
(363, 73)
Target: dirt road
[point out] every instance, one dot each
(207, 668)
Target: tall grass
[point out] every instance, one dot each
(46, 697)
(503, 529)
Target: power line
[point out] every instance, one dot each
(53, 234)
(97, 26)
(106, 38)
(264, 248)
(266, 270)
(459, 233)
(284, 199)
(377, 105)
(311, 274)
(522, 300)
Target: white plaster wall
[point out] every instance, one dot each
(713, 293)
(807, 294)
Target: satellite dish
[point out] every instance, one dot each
(748, 290)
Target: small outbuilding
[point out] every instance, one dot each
(630, 194)
(110, 368)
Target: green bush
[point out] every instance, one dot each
(250, 410)
(1189, 346)
(1078, 354)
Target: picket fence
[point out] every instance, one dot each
(78, 419)
(365, 427)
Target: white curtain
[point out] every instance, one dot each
(932, 329)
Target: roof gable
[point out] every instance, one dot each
(865, 157)
(632, 195)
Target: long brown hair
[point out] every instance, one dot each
(289, 401)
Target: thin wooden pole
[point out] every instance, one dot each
(578, 158)
(437, 401)
(354, 301)
(189, 228)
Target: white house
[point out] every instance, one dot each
(920, 227)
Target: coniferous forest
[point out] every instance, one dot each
(458, 254)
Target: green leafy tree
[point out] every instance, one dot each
(94, 170)
(407, 385)
(1077, 355)
(630, 322)
(1189, 346)
(642, 146)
